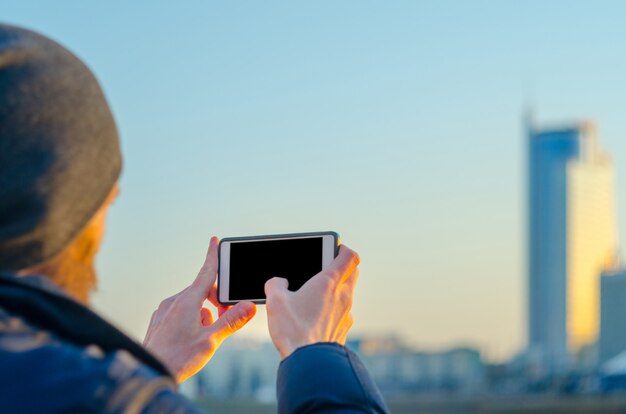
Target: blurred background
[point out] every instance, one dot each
(472, 152)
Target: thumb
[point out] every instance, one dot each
(232, 320)
(276, 285)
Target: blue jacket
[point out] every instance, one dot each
(58, 356)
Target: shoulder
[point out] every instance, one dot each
(46, 371)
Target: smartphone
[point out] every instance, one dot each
(246, 263)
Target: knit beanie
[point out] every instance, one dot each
(59, 148)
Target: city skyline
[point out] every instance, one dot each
(396, 125)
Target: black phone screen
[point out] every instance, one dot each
(252, 263)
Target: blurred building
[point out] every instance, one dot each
(397, 368)
(612, 341)
(571, 239)
(242, 367)
(247, 368)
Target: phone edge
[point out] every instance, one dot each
(270, 236)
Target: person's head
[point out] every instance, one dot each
(59, 162)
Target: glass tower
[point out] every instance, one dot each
(571, 239)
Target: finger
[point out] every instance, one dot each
(275, 286)
(232, 320)
(212, 296)
(205, 280)
(206, 317)
(344, 264)
(221, 309)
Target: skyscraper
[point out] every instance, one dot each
(571, 239)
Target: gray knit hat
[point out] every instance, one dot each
(59, 148)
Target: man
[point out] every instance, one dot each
(59, 167)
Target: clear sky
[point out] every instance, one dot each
(397, 124)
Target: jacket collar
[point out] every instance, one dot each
(42, 304)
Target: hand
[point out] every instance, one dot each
(182, 332)
(319, 311)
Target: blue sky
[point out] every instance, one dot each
(397, 124)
